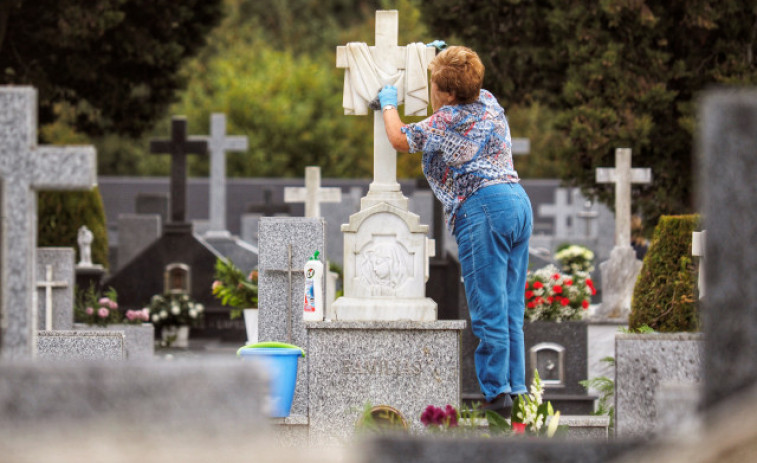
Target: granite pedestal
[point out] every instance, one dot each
(405, 365)
(80, 345)
(139, 339)
(642, 363)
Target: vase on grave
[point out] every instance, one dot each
(175, 336)
(558, 350)
(251, 324)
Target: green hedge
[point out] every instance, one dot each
(61, 213)
(665, 295)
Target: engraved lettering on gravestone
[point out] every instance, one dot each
(549, 360)
(384, 265)
(383, 367)
(177, 278)
(85, 238)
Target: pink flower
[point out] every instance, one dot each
(113, 305)
(146, 314)
(104, 301)
(90, 310)
(216, 284)
(130, 315)
(451, 417)
(102, 312)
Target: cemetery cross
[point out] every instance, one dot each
(48, 284)
(390, 57)
(560, 211)
(26, 168)
(622, 175)
(179, 146)
(219, 144)
(312, 195)
(268, 208)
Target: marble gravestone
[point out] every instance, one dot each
(26, 168)
(55, 288)
(386, 248)
(620, 271)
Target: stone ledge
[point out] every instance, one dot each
(388, 325)
(292, 420)
(660, 336)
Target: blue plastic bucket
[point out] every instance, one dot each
(281, 365)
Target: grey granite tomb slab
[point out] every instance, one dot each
(61, 261)
(727, 141)
(277, 320)
(81, 345)
(135, 233)
(642, 362)
(405, 365)
(139, 342)
(26, 168)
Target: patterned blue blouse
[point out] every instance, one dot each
(465, 148)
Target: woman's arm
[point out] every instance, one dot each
(393, 125)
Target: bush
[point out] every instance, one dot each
(61, 213)
(664, 297)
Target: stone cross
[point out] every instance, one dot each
(268, 208)
(26, 168)
(391, 58)
(698, 240)
(219, 144)
(521, 146)
(179, 146)
(587, 214)
(48, 284)
(312, 195)
(622, 175)
(561, 211)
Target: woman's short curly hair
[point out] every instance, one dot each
(458, 70)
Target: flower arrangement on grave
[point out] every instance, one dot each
(436, 418)
(532, 415)
(554, 296)
(175, 309)
(235, 288)
(94, 308)
(575, 258)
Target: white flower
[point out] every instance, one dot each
(199, 307)
(155, 318)
(163, 314)
(175, 309)
(192, 313)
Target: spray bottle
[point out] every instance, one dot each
(313, 310)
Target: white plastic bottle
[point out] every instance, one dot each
(313, 310)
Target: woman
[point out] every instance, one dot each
(467, 160)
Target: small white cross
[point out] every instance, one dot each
(48, 284)
(622, 175)
(312, 194)
(698, 242)
(561, 212)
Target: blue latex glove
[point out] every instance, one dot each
(388, 96)
(438, 44)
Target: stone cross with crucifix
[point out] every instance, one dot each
(219, 144)
(26, 168)
(312, 194)
(391, 58)
(622, 175)
(179, 146)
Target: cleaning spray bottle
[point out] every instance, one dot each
(313, 310)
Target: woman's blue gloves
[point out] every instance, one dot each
(388, 96)
(438, 44)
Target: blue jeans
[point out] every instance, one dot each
(492, 229)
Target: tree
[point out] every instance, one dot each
(619, 74)
(114, 61)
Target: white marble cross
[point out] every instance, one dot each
(587, 214)
(219, 144)
(698, 243)
(390, 57)
(521, 146)
(622, 175)
(560, 210)
(26, 168)
(312, 194)
(48, 284)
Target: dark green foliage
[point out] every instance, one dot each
(665, 296)
(115, 61)
(61, 213)
(617, 73)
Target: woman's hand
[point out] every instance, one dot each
(388, 96)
